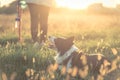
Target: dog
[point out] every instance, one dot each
(76, 62)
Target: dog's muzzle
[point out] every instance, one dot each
(52, 42)
(52, 39)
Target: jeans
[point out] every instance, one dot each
(39, 15)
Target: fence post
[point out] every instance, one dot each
(19, 20)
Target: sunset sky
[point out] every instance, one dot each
(76, 4)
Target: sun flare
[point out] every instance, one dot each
(83, 4)
(74, 4)
(78, 4)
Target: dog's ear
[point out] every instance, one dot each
(70, 39)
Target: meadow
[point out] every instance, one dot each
(94, 33)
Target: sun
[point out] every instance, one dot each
(83, 4)
(73, 4)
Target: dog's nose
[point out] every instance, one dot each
(49, 37)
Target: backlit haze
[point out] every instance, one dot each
(75, 4)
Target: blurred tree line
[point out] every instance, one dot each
(96, 8)
(11, 9)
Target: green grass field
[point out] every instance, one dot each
(93, 34)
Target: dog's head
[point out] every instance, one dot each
(61, 44)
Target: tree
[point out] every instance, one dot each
(11, 9)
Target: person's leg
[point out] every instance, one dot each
(34, 21)
(44, 13)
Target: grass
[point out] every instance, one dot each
(93, 34)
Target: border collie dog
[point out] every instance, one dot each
(77, 63)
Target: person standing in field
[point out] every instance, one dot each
(39, 12)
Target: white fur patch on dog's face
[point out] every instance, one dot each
(52, 42)
(52, 39)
